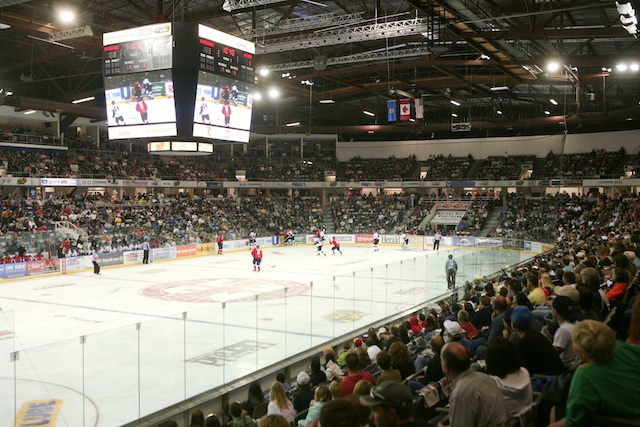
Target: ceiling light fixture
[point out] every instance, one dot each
(552, 67)
(67, 16)
(274, 93)
(456, 103)
(29, 111)
(81, 100)
(553, 101)
(327, 101)
(368, 113)
(293, 124)
(547, 112)
(499, 88)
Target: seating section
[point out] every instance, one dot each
(504, 167)
(364, 214)
(595, 164)
(441, 168)
(359, 169)
(118, 223)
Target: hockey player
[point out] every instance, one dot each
(96, 264)
(234, 94)
(137, 89)
(204, 112)
(226, 112)
(116, 114)
(252, 239)
(376, 240)
(336, 246)
(289, 238)
(141, 107)
(256, 253)
(225, 94)
(318, 244)
(404, 240)
(147, 87)
(220, 243)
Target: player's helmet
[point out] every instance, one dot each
(257, 246)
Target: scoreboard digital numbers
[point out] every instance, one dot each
(137, 50)
(226, 55)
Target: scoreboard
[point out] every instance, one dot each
(137, 50)
(226, 55)
(138, 81)
(178, 81)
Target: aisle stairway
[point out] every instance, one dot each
(492, 222)
(327, 220)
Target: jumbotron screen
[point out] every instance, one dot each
(223, 108)
(140, 105)
(137, 49)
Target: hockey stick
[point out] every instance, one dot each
(270, 265)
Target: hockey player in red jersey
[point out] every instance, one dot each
(141, 107)
(256, 253)
(336, 246)
(220, 243)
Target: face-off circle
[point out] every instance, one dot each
(224, 290)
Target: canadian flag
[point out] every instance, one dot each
(405, 109)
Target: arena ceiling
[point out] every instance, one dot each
(490, 56)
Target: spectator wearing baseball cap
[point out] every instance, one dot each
(453, 330)
(304, 395)
(391, 404)
(537, 354)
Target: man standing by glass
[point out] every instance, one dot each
(451, 268)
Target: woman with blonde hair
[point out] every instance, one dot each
(279, 403)
(546, 282)
(321, 396)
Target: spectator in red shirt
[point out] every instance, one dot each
(470, 330)
(355, 375)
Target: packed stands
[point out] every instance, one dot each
(504, 167)
(359, 169)
(444, 168)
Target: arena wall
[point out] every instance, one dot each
(479, 148)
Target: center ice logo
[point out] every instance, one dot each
(224, 290)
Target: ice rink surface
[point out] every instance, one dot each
(105, 350)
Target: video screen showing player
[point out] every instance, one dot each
(222, 102)
(140, 99)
